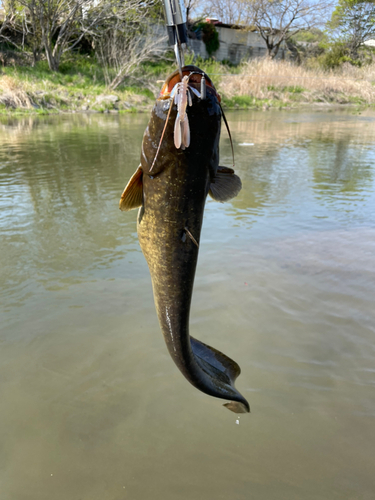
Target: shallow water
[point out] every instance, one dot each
(92, 406)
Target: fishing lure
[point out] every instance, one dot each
(182, 96)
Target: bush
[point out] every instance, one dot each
(210, 36)
(335, 55)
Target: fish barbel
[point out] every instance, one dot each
(171, 198)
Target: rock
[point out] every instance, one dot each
(106, 99)
(85, 107)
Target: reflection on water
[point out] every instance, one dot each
(93, 407)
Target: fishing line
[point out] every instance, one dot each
(162, 135)
(230, 135)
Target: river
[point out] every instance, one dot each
(92, 406)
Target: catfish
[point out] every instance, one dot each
(170, 188)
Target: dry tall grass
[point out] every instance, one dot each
(13, 94)
(35, 92)
(277, 82)
(282, 80)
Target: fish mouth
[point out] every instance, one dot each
(195, 76)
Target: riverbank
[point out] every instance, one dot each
(283, 83)
(78, 86)
(258, 84)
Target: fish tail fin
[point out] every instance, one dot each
(221, 367)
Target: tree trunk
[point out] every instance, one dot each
(269, 49)
(275, 50)
(53, 61)
(270, 52)
(36, 55)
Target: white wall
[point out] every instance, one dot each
(235, 45)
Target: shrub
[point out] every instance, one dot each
(210, 36)
(335, 55)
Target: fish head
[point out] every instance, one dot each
(194, 76)
(204, 121)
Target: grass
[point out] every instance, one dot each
(282, 82)
(255, 84)
(75, 87)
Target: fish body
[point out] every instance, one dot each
(172, 198)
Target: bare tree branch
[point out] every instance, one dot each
(278, 20)
(237, 12)
(123, 47)
(8, 23)
(58, 26)
(275, 20)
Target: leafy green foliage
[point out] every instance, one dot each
(335, 55)
(210, 36)
(310, 36)
(294, 89)
(353, 23)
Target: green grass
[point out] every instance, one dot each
(81, 79)
(294, 89)
(355, 100)
(81, 72)
(138, 90)
(78, 82)
(157, 68)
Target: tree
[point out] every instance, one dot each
(237, 12)
(7, 22)
(278, 20)
(58, 26)
(124, 46)
(191, 7)
(4, 24)
(353, 23)
(275, 20)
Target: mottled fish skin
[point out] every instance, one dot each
(169, 229)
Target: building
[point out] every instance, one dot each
(236, 44)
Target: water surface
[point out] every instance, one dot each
(92, 406)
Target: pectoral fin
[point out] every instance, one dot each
(226, 185)
(132, 197)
